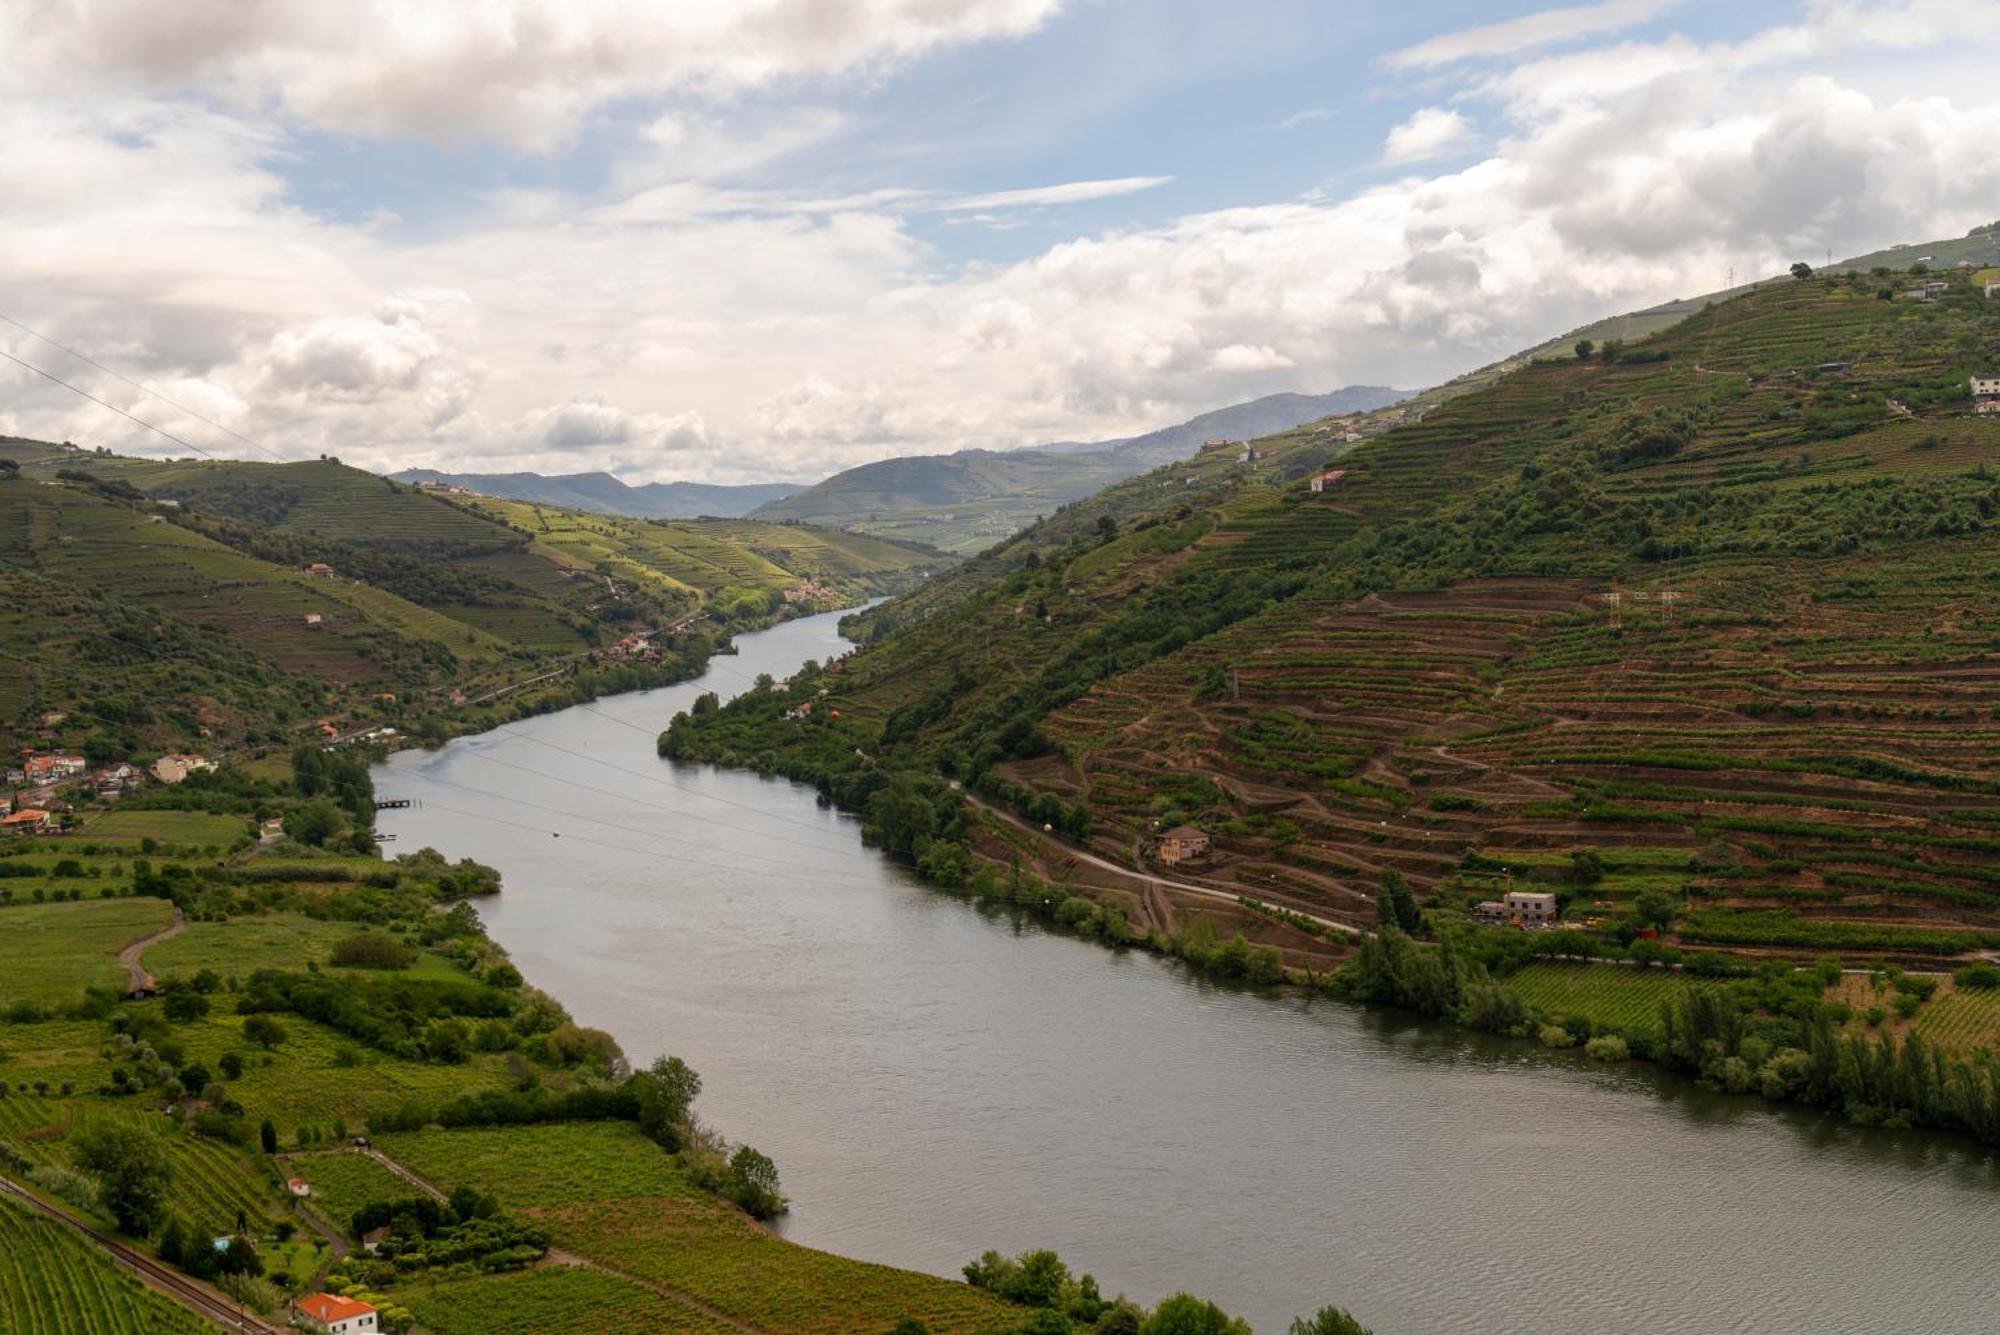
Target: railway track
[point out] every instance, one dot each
(197, 1297)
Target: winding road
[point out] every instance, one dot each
(1148, 881)
(136, 976)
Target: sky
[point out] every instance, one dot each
(752, 240)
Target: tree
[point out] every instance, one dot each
(1585, 867)
(264, 1031)
(184, 1005)
(667, 1092)
(753, 1183)
(240, 1258)
(314, 822)
(910, 1325)
(232, 1065)
(1801, 270)
(132, 1172)
(1396, 905)
(1657, 908)
(1328, 1321)
(1185, 1314)
(173, 1242)
(1584, 347)
(1107, 527)
(267, 1136)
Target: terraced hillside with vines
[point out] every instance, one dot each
(1708, 618)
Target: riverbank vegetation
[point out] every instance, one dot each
(314, 993)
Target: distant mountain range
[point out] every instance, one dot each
(605, 493)
(969, 500)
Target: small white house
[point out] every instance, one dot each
(337, 1315)
(173, 769)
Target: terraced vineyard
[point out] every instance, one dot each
(1726, 599)
(54, 1283)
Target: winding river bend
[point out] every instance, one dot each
(934, 1080)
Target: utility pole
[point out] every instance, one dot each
(1615, 598)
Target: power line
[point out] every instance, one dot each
(102, 404)
(143, 389)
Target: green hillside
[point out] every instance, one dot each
(1712, 620)
(150, 606)
(966, 502)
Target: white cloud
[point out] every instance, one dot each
(1433, 132)
(526, 71)
(1073, 192)
(1300, 119)
(587, 424)
(1512, 36)
(688, 326)
(1248, 357)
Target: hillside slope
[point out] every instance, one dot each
(969, 500)
(606, 494)
(202, 605)
(1714, 619)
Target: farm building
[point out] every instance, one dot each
(173, 769)
(271, 832)
(1986, 393)
(1182, 843)
(1321, 481)
(1530, 908)
(340, 1316)
(28, 820)
(314, 618)
(298, 1186)
(319, 568)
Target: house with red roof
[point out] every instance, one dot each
(340, 1316)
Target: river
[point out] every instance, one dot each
(934, 1079)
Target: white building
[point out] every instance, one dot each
(173, 769)
(340, 1316)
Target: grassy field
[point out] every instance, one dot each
(271, 941)
(560, 1300)
(53, 1283)
(49, 953)
(609, 1194)
(193, 828)
(552, 1165)
(306, 1080)
(712, 1253)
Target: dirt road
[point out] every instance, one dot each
(136, 976)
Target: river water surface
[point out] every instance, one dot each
(934, 1080)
